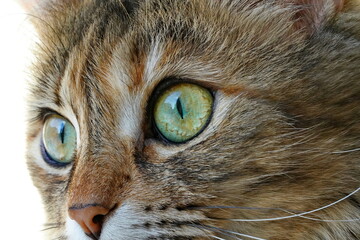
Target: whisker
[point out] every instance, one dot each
(346, 151)
(227, 232)
(292, 212)
(236, 207)
(216, 230)
(53, 224)
(217, 237)
(235, 233)
(49, 228)
(325, 220)
(297, 215)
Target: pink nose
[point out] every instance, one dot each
(90, 218)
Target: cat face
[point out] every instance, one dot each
(192, 119)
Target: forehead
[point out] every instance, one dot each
(100, 64)
(109, 56)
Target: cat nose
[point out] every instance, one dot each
(90, 218)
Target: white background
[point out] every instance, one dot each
(21, 214)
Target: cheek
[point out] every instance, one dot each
(238, 150)
(74, 231)
(218, 151)
(127, 222)
(155, 151)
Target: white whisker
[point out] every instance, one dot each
(236, 233)
(217, 237)
(296, 215)
(325, 220)
(223, 231)
(236, 207)
(292, 212)
(346, 151)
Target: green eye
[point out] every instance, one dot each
(59, 140)
(182, 111)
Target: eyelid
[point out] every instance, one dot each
(170, 81)
(43, 113)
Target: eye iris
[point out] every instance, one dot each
(59, 139)
(182, 111)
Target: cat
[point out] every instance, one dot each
(196, 119)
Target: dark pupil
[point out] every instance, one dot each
(62, 132)
(179, 108)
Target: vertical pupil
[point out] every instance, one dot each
(179, 108)
(62, 132)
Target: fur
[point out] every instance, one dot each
(284, 134)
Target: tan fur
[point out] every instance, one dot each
(284, 133)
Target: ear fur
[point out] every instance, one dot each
(311, 15)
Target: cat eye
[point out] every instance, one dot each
(58, 140)
(182, 111)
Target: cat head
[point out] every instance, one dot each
(179, 119)
(308, 15)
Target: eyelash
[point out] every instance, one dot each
(43, 113)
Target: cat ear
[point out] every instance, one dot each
(310, 15)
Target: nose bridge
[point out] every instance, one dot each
(103, 169)
(101, 177)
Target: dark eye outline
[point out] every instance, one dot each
(163, 86)
(49, 160)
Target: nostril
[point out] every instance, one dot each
(90, 218)
(98, 219)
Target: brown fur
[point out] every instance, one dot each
(285, 131)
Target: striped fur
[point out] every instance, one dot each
(285, 131)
